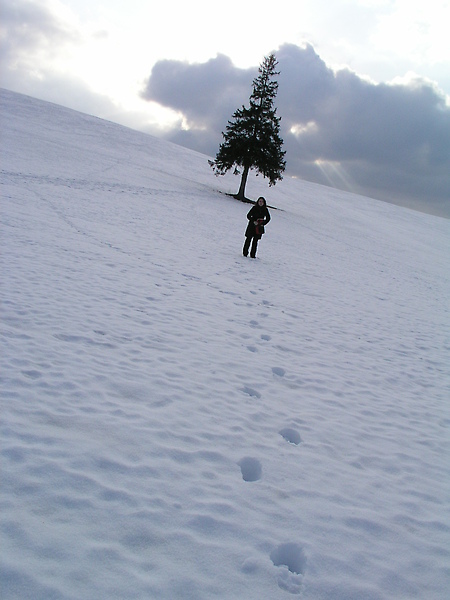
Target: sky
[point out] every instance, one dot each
(364, 85)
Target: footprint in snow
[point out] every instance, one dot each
(278, 371)
(291, 435)
(251, 392)
(292, 562)
(251, 468)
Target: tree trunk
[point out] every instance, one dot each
(241, 193)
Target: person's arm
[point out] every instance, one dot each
(251, 214)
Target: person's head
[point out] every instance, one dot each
(261, 201)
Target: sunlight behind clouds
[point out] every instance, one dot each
(335, 174)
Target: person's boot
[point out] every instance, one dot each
(246, 246)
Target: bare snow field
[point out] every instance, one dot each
(181, 422)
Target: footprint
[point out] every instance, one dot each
(278, 371)
(252, 348)
(32, 374)
(251, 392)
(291, 435)
(290, 555)
(266, 338)
(251, 469)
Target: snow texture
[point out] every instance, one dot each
(181, 422)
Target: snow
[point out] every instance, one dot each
(181, 422)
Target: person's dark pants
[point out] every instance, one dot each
(253, 248)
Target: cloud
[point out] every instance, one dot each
(390, 141)
(201, 89)
(35, 39)
(205, 95)
(386, 140)
(28, 27)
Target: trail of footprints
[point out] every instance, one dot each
(289, 557)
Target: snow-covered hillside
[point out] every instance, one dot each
(180, 422)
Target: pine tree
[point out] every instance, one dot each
(252, 139)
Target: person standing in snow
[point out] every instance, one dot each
(258, 216)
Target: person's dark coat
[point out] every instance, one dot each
(254, 214)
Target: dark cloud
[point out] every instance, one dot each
(206, 95)
(202, 90)
(387, 141)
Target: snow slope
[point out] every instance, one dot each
(180, 422)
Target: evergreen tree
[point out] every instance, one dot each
(252, 139)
